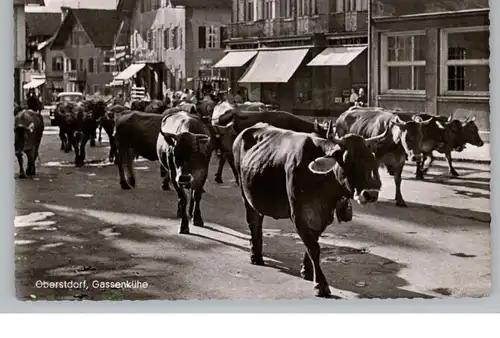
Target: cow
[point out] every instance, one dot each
(155, 107)
(108, 124)
(184, 148)
(139, 105)
(77, 125)
(98, 109)
(286, 174)
(136, 134)
(403, 139)
(244, 119)
(28, 132)
(455, 137)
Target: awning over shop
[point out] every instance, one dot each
(337, 56)
(130, 71)
(276, 66)
(34, 83)
(235, 59)
(115, 83)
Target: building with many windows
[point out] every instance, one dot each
(79, 49)
(432, 56)
(303, 55)
(173, 42)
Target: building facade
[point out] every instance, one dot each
(303, 55)
(41, 27)
(173, 43)
(20, 55)
(81, 49)
(432, 56)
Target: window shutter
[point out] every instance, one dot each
(202, 37)
(166, 38)
(222, 37)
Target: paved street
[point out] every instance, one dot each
(77, 224)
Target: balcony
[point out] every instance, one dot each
(77, 75)
(287, 27)
(147, 55)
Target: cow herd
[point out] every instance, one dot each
(286, 167)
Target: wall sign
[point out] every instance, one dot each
(349, 41)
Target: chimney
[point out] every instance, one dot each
(64, 11)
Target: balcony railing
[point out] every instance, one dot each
(77, 75)
(146, 55)
(284, 27)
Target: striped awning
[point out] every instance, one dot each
(274, 66)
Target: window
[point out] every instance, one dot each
(202, 37)
(96, 89)
(82, 65)
(212, 37)
(248, 10)
(158, 40)
(268, 9)
(57, 64)
(90, 66)
(149, 39)
(72, 64)
(180, 38)
(175, 37)
(286, 8)
(351, 5)
(403, 62)
(465, 68)
(107, 68)
(166, 38)
(222, 37)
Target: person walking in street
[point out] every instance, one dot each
(361, 101)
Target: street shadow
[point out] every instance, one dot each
(471, 194)
(464, 182)
(435, 216)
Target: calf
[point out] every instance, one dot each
(136, 134)
(403, 139)
(28, 132)
(285, 174)
(184, 149)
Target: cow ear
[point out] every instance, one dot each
(171, 139)
(322, 165)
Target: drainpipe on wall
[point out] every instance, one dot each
(369, 62)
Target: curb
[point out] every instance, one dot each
(463, 160)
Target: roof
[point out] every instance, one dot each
(29, 2)
(100, 25)
(202, 3)
(42, 24)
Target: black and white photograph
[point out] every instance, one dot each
(251, 149)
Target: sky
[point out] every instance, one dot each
(55, 5)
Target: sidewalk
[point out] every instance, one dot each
(470, 154)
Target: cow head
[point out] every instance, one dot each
(354, 165)
(409, 135)
(321, 129)
(187, 155)
(22, 135)
(470, 132)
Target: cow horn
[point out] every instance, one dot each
(375, 139)
(440, 125)
(426, 121)
(450, 118)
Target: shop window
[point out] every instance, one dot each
(403, 62)
(465, 66)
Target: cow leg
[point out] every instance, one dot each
(121, 157)
(108, 128)
(20, 161)
(426, 167)
(310, 239)
(182, 208)
(453, 172)
(400, 202)
(196, 195)
(220, 167)
(100, 132)
(419, 175)
(307, 270)
(130, 168)
(81, 153)
(255, 220)
(93, 136)
(164, 173)
(30, 169)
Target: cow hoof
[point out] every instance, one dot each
(165, 187)
(218, 180)
(67, 150)
(62, 148)
(454, 173)
(198, 223)
(420, 177)
(131, 182)
(30, 172)
(184, 231)
(124, 185)
(322, 290)
(257, 260)
(22, 175)
(401, 203)
(306, 275)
